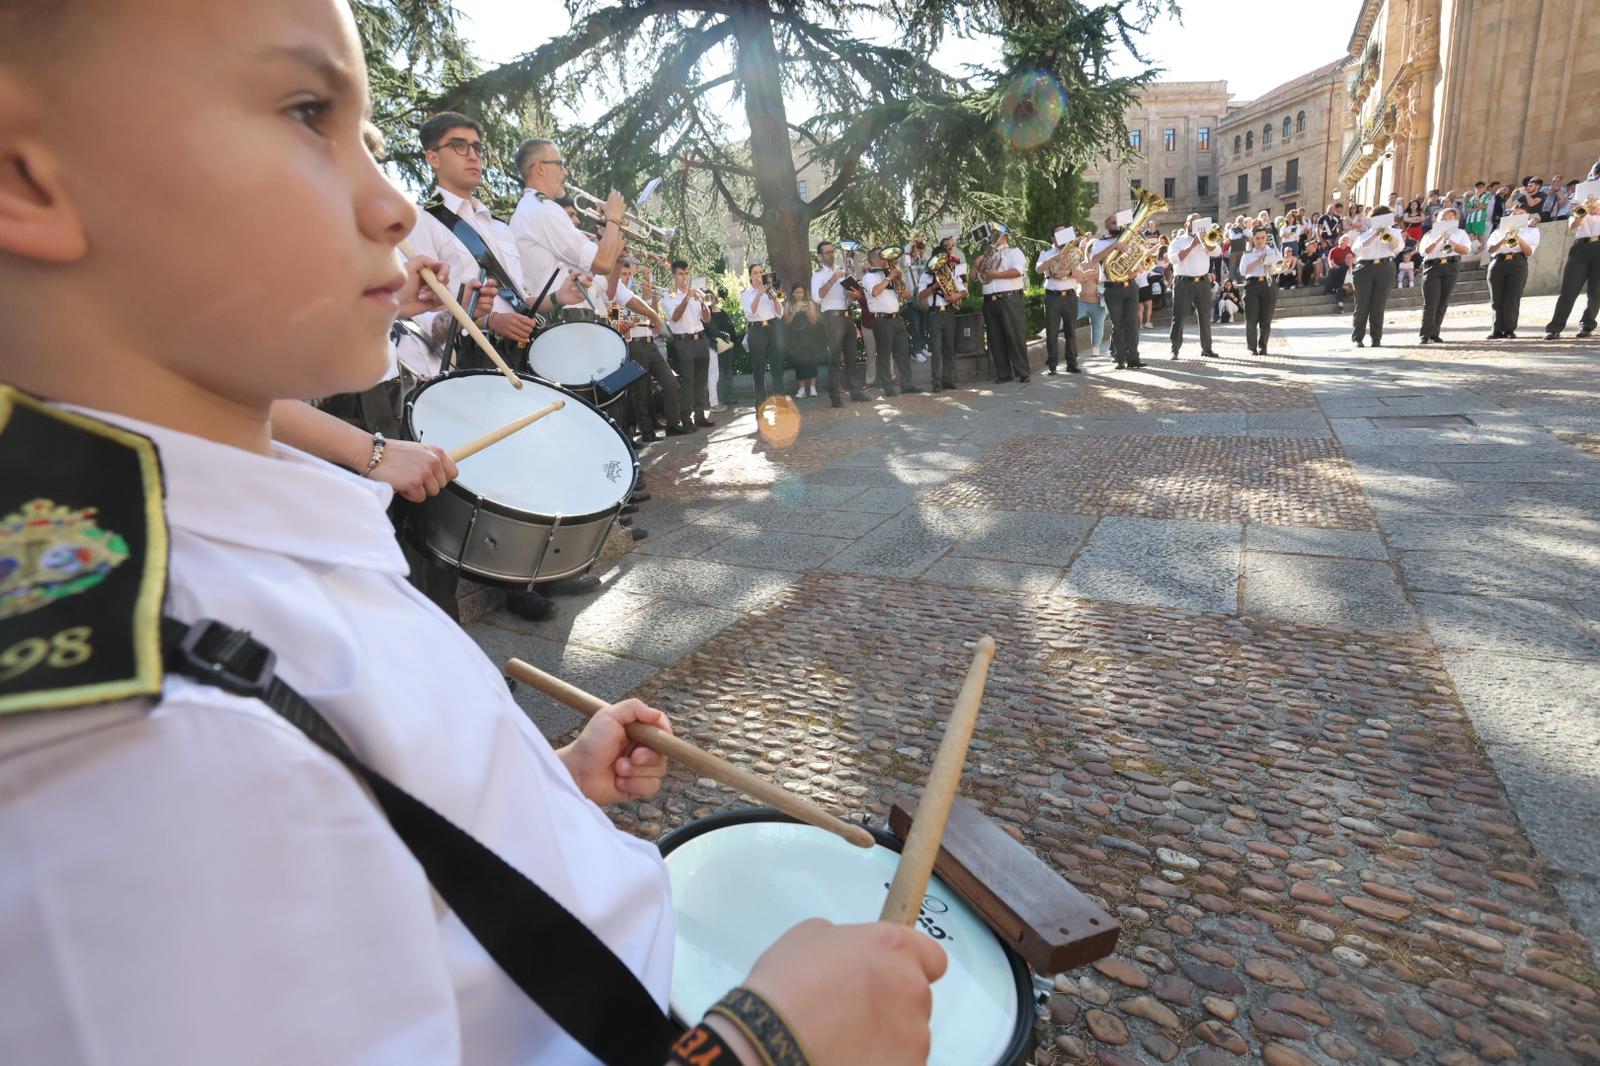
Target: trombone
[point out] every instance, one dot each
(633, 227)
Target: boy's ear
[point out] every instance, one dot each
(38, 219)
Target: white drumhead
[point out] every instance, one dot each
(738, 888)
(577, 353)
(570, 462)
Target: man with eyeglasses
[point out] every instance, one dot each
(547, 240)
(453, 146)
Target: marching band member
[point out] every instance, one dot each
(1121, 298)
(642, 349)
(1191, 262)
(1510, 246)
(189, 848)
(1442, 248)
(548, 241)
(1002, 297)
(828, 290)
(882, 283)
(763, 316)
(1375, 246)
(1582, 269)
(689, 313)
(942, 318)
(1060, 300)
(1260, 294)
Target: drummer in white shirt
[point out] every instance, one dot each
(688, 314)
(547, 240)
(1375, 246)
(763, 338)
(1509, 248)
(1442, 248)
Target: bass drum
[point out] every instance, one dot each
(582, 357)
(741, 880)
(539, 504)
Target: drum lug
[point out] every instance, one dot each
(1042, 989)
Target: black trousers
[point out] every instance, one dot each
(691, 358)
(942, 347)
(1582, 271)
(1508, 276)
(1191, 294)
(643, 350)
(1122, 313)
(842, 368)
(1010, 317)
(1373, 282)
(994, 341)
(1260, 300)
(766, 354)
(890, 338)
(1060, 316)
(1438, 282)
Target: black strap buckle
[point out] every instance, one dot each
(231, 659)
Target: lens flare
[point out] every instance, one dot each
(1031, 109)
(778, 421)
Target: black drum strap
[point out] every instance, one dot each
(551, 955)
(480, 251)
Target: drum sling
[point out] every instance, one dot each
(479, 249)
(552, 956)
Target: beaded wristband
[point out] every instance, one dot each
(702, 1046)
(763, 1025)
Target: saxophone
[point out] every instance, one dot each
(1132, 252)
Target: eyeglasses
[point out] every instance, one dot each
(551, 163)
(461, 146)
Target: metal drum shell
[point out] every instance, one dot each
(1020, 1047)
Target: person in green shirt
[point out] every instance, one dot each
(1477, 221)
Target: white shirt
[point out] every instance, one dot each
(1100, 244)
(1439, 246)
(1189, 257)
(1529, 233)
(1369, 246)
(431, 238)
(1289, 234)
(1010, 259)
(758, 305)
(1067, 284)
(935, 300)
(1589, 227)
(691, 321)
(886, 302)
(835, 300)
(1254, 262)
(603, 304)
(198, 883)
(548, 241)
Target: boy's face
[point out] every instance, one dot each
(235, 230)
(458, 160)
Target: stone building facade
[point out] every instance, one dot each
(1281, 150)
(1172, 133)
(1445, 92)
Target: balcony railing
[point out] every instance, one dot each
(1238, 199)
(1381, 122)
(1287, 188)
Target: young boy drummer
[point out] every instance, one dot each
(189, 878)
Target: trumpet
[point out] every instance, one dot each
(1587, 208)
(633, 227)
(1212, 238)
(1385, 236)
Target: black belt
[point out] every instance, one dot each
(765, 322)
(1509, 255)
(1115, 284)
(1249, 280)
(690, 336)
(1002, 295)
(836, 312)
(942, 307)
(1585, 240)
(1441, 259)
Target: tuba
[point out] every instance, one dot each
(944, 279)
(1133, 253)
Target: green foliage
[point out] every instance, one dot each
(1059, 199)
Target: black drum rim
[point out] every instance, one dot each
(1022, 1040)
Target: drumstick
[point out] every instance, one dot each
(910, 882)
(700, 761)
(495, 436)
(461, 316)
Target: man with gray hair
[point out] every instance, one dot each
(547, 241)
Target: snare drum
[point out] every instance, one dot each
(586, 358)
(539, 504)
(741, 880)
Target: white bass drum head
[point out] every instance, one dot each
(577, 353)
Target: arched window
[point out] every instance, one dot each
(1300, 122)
(1286, 127)
(1237, 143)
(1266, 135)
(1250, 140)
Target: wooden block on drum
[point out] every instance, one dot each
(1046, 920)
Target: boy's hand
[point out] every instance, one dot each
(609, 767)
(415, 471)
(518, 327)
(853, 993)
(416, 297)
(486, 294)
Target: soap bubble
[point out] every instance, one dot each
(1031, 109)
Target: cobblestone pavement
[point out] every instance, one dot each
(1303, 683)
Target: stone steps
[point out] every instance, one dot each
(1292, 303)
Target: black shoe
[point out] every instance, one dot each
(678, 430)
(860, 397)
(576, 585)
(1252, 351)
(1073, 368)
(1050, 370)
(1211, 355)
(1553, 336)
(937, 388)
(1359, 342)
(890, 390)
(912, 389)
(834, 396)
(1174, 355)
(1437, 339)
(1496, 335)
(647, 438)
(703, 421)
(1024, 379)
(1136, 365)
(1511, 334)
(1376, 343)
(531, 605)
(1122, 366)
(1424, 339)
(1586, 332)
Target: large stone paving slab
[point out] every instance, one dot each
(1354, 592)
(1502, 624)
(1281, 481)
(1306, 845)
(1185, 388)
(1193, 565)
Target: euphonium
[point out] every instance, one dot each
(1132, 252)
(1067, 260)
(1212, 239)
(944, 279)
(892, 257)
